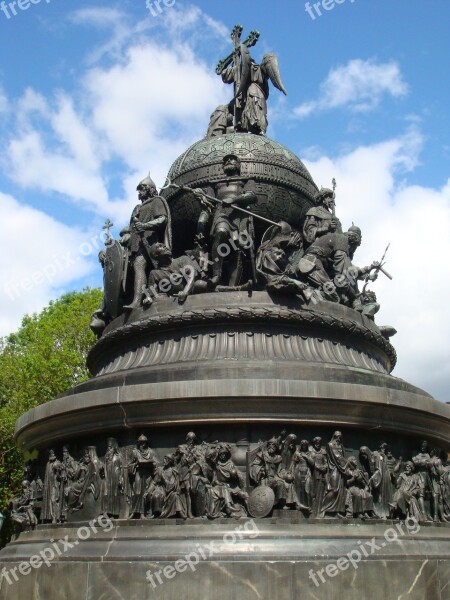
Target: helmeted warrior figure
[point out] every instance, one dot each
(347, 274)
(149, 224)
(327, 266)
(231, 228)
(317, 266)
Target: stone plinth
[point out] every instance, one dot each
(237, 368)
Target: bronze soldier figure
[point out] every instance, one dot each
(230, 228)
(149, 224)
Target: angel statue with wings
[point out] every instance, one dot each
(251, 83)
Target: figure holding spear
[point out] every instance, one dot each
(231, 230)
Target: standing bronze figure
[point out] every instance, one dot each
(143, 465)
(149, 224)
(111, 476)
(251, 83)
(231, 229)
(52, 497)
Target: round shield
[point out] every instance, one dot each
(261, 501)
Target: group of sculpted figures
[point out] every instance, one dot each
(203, 480)
(313, 261)
(314, 264)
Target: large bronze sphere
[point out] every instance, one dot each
(284, 187)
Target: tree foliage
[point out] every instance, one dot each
(44, 358)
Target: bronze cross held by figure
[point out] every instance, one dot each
(248, 108)
(236, 37)
(107, 227)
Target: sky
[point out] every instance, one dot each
(93, 95)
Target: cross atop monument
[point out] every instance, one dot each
(107, 227)
(236, 38)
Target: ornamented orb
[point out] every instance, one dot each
(284, 187)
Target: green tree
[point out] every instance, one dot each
(44, 358)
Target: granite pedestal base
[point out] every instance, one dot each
(245, 560)
(237, 369)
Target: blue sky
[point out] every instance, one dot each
(94, 94)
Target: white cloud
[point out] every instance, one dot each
(159, 97)
(31, 103)
(415, 220)
(115, 23)
(4, 104)
(177, 26)
(98, 17)
(137, 108)
(140, 108)
(180, 20)
(359, 85)
(34, 165)
(76, 136)
(42, 256)
(53, 150)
